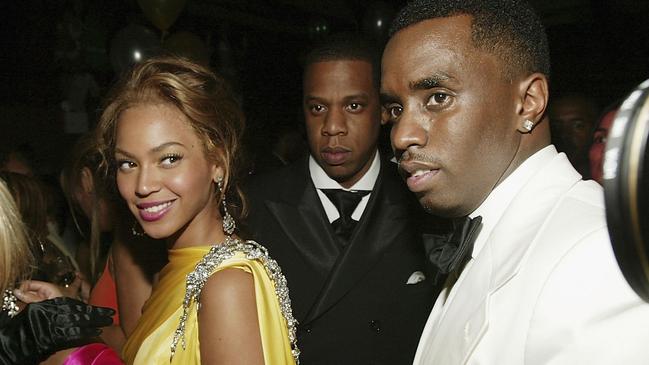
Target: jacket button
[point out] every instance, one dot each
(307, 328)
(375, 325)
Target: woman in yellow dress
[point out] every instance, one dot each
(170, 134)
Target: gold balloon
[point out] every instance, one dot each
(162, 13)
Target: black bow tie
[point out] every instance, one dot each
(450, 251)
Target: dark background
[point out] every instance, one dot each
(600, 48)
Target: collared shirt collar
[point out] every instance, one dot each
(322, 181)
(496, 203)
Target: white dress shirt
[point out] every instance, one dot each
(322, 181)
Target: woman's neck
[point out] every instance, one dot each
(206, 234)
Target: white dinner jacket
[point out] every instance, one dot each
(544, 289)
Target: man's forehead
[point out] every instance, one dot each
(418, 69)
(346, 76)
(436, 30)
(428, 38)
(440, 46)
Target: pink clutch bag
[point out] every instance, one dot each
(93, 354)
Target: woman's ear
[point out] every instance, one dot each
(217, 174)
(533, 98)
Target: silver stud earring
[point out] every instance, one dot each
(528, 125)
(229, 225)
(136, 230)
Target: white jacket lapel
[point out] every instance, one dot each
(466, 318)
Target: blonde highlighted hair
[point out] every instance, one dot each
(15, 255)
(200, 95)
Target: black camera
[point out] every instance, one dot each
(626, 188)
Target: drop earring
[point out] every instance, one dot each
(136, 230)
(229, 225)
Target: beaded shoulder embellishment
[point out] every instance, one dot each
(208, 265)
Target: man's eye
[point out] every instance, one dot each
(354, 107)
(317, 108)
(438, 98)
(394, 111)
(578, 124)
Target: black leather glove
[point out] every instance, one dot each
(46, 327)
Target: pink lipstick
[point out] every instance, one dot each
(153, 211)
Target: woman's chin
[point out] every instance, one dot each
(156, 235)
(155, 231)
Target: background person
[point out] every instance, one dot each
(341, 224)
(32, 333)
(573, 118)
(52, 263)
(596, 152)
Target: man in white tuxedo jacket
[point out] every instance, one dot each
(464, 84)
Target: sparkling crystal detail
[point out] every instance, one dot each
(228, 223)
(9, 303)
(208, 265)
(528, 125)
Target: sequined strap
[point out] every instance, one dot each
(208, 265)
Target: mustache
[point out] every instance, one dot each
(418, 156)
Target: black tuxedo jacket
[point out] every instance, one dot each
(353, 304)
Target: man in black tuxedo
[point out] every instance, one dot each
(341, 224)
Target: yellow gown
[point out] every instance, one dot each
(169, 317)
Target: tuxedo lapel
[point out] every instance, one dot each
(308, 229)
(298, 212)
(504, 252)
(382, 222)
